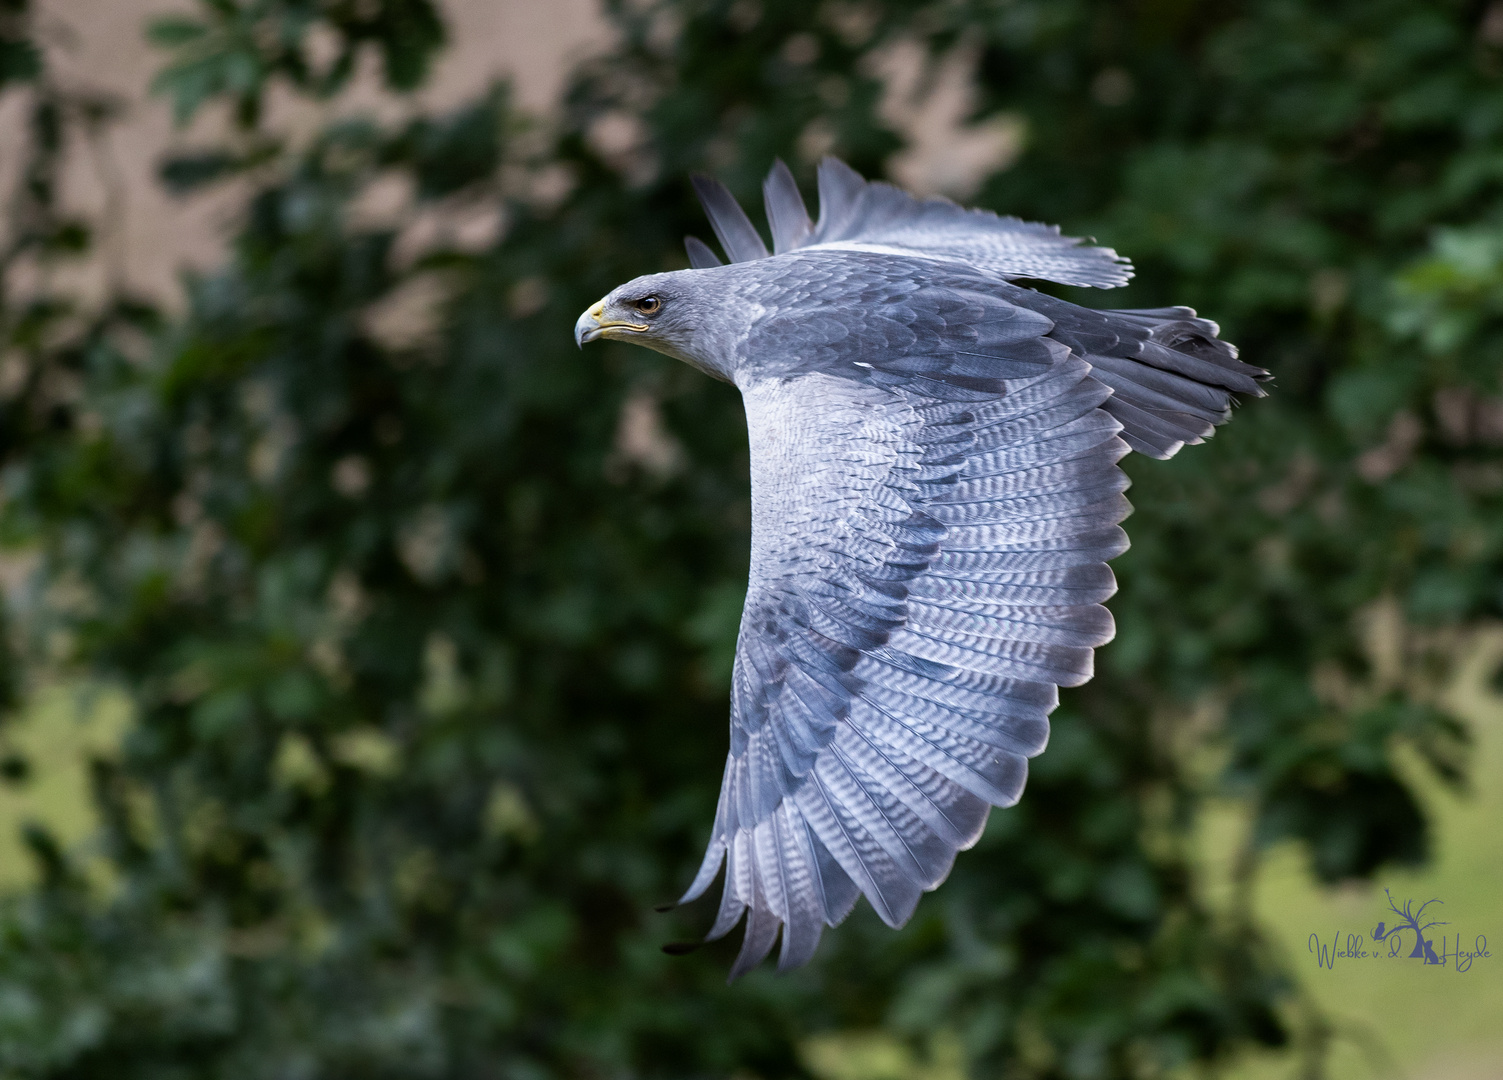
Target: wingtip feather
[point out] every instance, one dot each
(700, 255)
(737, 235)
(787, 216)
(839, 188)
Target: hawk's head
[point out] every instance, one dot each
(685, 314)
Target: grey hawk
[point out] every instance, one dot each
(935, 498)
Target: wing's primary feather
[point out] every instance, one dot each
(787, 216)
(860, 215)
(700, 255)
(737, 235)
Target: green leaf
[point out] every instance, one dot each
(173, 31)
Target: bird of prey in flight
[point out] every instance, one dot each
(935, 498)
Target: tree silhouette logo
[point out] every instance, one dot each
(1425, 946)
(1423, 949)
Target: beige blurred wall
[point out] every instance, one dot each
(147, 236)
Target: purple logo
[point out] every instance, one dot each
(1411, 930)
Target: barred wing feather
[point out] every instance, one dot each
(926, 570)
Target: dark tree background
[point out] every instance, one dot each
(430, 677)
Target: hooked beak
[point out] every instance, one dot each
(589, 326)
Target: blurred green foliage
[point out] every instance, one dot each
(428, 663)
(233, 50)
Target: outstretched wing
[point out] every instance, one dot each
(857, 215)
(931, 527)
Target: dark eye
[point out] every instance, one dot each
(648, 305)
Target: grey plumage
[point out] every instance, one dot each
(935, 497)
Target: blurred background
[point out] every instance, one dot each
(367, 647)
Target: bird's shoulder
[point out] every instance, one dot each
(892, 320)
